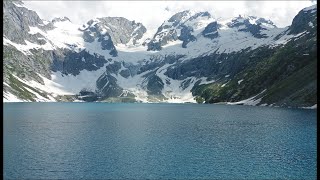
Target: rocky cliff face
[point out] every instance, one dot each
(305, 20)
(16, 25)
(121, 30)
(17, 20)
(211, 31)
(191, 58)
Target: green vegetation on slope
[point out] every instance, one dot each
(289, 75)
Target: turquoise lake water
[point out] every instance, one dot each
(152, 141)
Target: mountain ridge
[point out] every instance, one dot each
(111, 58)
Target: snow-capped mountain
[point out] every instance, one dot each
(181, 26)
(192, 57)
(256, 26)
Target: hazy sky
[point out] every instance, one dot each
(153, 13)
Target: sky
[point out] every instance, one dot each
(152, 13)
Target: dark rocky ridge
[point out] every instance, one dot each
(301, 22)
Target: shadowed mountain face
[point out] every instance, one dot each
(192, 57)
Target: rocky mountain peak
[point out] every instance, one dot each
(200, 14)
(306, 20)
(199, 20)
(17, 21)
(180, 17)
(252, 24)
(186, 18)
(265, 22)
(60, 19)
(181, 26)
(120, 29)
(253, 20)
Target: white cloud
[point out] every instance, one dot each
(153, 13)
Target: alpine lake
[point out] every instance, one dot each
(157, 141)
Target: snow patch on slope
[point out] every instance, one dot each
(25, 48)
(311, 107)
(9, 97)
(40, 98)
(69, 84)
(250, 101)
